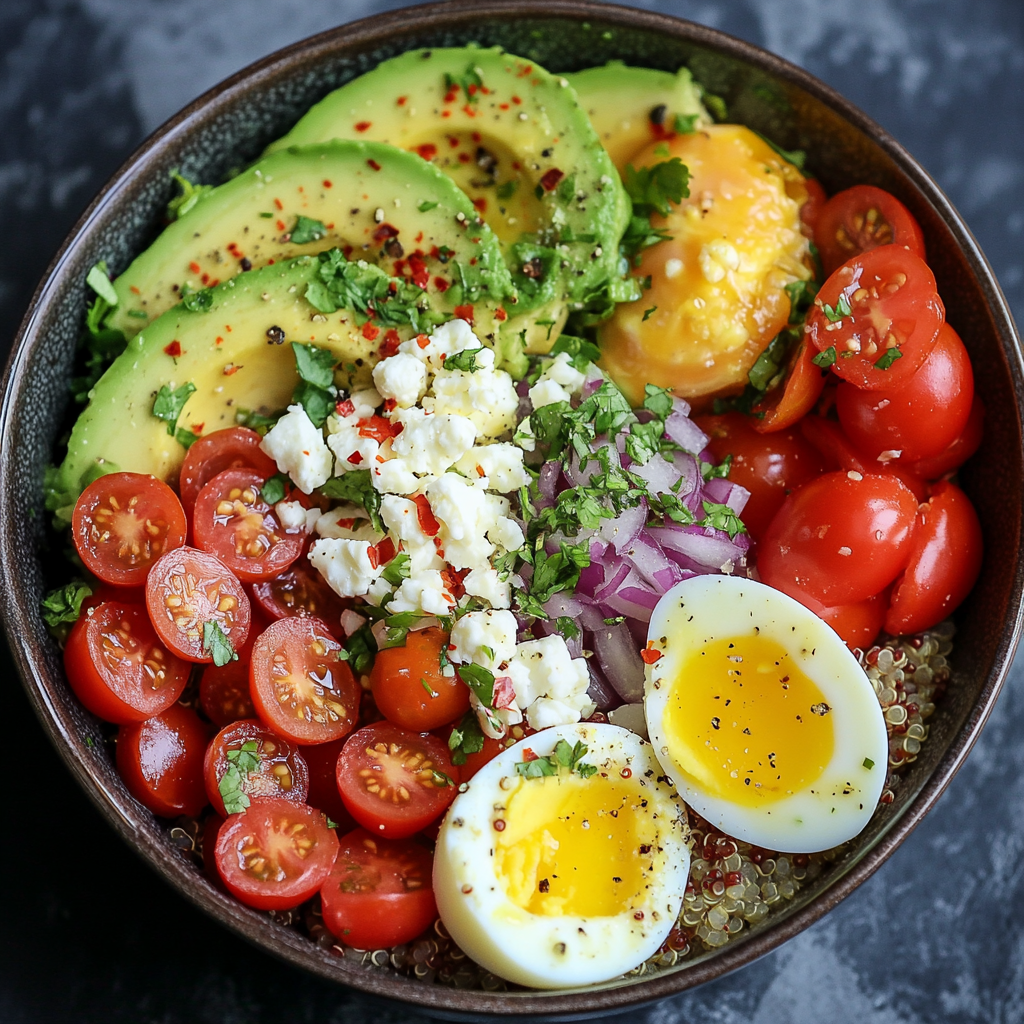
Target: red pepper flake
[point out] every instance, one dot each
(464, 158)
(328, 184)
(378, 428)
(173, 349)
(373, 165)
(194, 267)
(446, 113)
(551, 179)
(465, 313)
(504, 693)
(361, 126)
(469, 111)
(390, 405)
(649, 655)
(428, 522)
(418, 270)
(227, 327)
(525, 70)
(516, 100)
(214, 282)
(476, 137)
(453, 141)
(503, 106)
(280, 225)
(451, 95)
(500, 314)
(384, 232)
(401, 101)
(134, 289)
(528, 754)
(230, 369)
(422, 340)
(481, 204)
(219, 340)
(385, 551)
(369, 331)
(279, 204)
(452, 579)
(516, 165)
(197, 428)
(441, 284)
(419, 237)
(355, 458)
(427, 151)
(345, 407)
(389, 346)
(205, 279)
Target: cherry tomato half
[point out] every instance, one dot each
(299, 685)
(280, 769)
(958, 452)
(300, 591)
(161, 761)
(797, 394)
(767, 465)
(233, 522)
(921, 417)
(122, 523)
(840, 538)
(118, 668)
(275, 854)
(877, 317)
(379, 893)
(395, 782)
(945, 560)
(230, 448)
(863, 218)
(409, 687)
(185, 592)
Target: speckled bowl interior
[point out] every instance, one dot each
(228, 127)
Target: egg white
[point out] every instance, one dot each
(557, 951)
(838, 804)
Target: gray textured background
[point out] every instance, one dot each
(88, 934)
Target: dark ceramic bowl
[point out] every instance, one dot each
(231, 125)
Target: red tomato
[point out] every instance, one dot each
(233, 522)
(322, 762)
(859, 623)
(188, 589)
(379, 893)
(224, 689)
(794, 398)
(474, 762)
(893, 320)
(122, 523)
(863, 218)
(230, 448)
(161, 761)
(839, 539)
(810, 212)
(299, 685)
(767, 465)
(300, 591)
(945, 559)
(958, 452)
(118, 668)
(410, 688)
(395, 782)
(923, 416)
(281, 771)
(275, 854)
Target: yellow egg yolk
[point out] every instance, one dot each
(745, 723)
(718, 284)
(574, 846)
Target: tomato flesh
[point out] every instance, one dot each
(275, 854)
(300, 591)
(187, 589)
(160, 760)
(281, 771)
(394, 782)
(230, 448)
(409, 687)
(118, 668)
(796, 396)
(893, 320)
(122, 523)
(379, 892)
(299, 685)
(233, 522)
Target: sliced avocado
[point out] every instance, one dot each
(237, 357)
(633, 107)
(372, 201)
(516, 141)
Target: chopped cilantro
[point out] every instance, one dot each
(397, 628)
(507, 189)
(567, 627)
(138, 314)
(98, 279)
(426, 205)
(836, 313)
(358, 488)
(825, 359)
(257, 421)
(563, 756)
(717, 107)
(359, 651)
(466, 738)
(331, 824)
(868, 763)
(721, 517)
(685, 124)
(101, 344)
(654, 189)
(314, 365)
(186, 438)
(397, 569)
(658, 400)
(242, 762)
(432, 694)
(188, 197)
(710, 471)
(168, 404)
(796, 157)
(275, 488)
(801, 298)
(662, 150)
(469, 83)
(581, 351)
(64, 605)
(480, 680)
(888, 358)
(464, 360)
(648, 312)
(217, 645)
(307, 230)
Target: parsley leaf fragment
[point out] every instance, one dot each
(464, 360)
(397, 569)
(359, 651)
(98, 279)
(466, 738)
(307, 229)
(275, 488)
(721, 517)
(64, 604)
(480, 680)
(190, 194)
(563, 756)
(356, 487)
(654, 189)
(836, 313)
(217, 645)
(888, 358)
(825, 359)
(168, 404)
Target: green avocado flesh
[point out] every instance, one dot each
(372, 201)
(514, 138)
(619, 101)
(235, 365)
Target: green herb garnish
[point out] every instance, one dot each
(217, 645)
(168, 404)
(307, 230)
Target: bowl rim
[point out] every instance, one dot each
(437, 1000)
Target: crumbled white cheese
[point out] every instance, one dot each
(495, 467)
(345, 565)
(351, 449)
(524, 436)
(402, 378)
(465, 514)
(484, 638)
(449, 339)
(430, 444)
(506, 533)
(551, 686)
(292, 514)
(423, 591)
(347, 522)
(547, 392)
(298, 449)
(561, 371)
(488, 586)
(486, 396)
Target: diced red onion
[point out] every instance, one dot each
(613, 580)
(623, 530)
(619, 660)
(547, 482)
(649, 560)
(600, 691)
(708, 548)
(725, 492)
(681, 429)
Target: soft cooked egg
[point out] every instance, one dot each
(762, 717)
(718, 284)
(562, 880)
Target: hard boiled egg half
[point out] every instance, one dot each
(569, 878)
(761, 716)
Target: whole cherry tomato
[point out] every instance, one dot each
(859, 623)
(812, 207)
(958, 452)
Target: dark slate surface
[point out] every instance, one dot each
(89, 934)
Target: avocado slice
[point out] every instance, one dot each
(235, 354)
(515, 139)
(633, 107)
(372, 201)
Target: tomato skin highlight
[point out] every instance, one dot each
(280, 870)
(839, 539)
(861, 218)
(399, 674)
(230, 448)
(959, 451)
(299, 686)
(796, 396)
(945, 561)
(767, 465)
(282, 770)
(122, 523)
(394, 760)
(894, 304)
(379, 893)
(161, 761)
(923, 416)
(115, 687)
